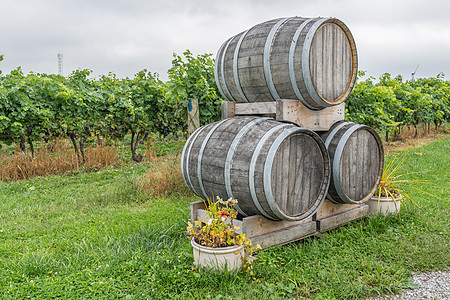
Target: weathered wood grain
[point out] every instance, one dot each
(329, 208)
(258, 108)
(274, 169)
(285, 110)
(286, 235)
(228, 109)
(193, 115)
(312, 60)
(258, 225)
(331, 61)
(357, 160)
(318, 120)
(268, 233)
(341, 218)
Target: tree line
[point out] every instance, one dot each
(40, 107)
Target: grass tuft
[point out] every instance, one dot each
(164, 179)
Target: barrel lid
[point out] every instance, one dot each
(332, 60)
(300, 174)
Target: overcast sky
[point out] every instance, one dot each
(125, 37)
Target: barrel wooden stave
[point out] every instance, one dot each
(330, 60)
(288, 179)
(252, 151)
(357, 160)
(335, 82)
(251, 73)
(279, 63)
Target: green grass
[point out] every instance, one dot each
(93, 235)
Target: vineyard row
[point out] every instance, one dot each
(40, 107)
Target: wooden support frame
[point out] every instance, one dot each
(288, 111)
(330, 215)
(268, 233)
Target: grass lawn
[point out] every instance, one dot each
(94, 235)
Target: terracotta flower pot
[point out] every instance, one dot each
(229, 258)
(384, 205)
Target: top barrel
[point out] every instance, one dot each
(313, 60)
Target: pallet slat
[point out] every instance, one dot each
(287, 111)
(342, 218)
(268, 233)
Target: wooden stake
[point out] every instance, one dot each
(193, 115)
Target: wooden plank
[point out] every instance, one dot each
(318, 120)
(257, 108)
(194, 207)
(257, 225)
(284, 236)
(193, 115)
(286, 110)
(228, 109)
(342, 218)
(329, 208)
(268, 233)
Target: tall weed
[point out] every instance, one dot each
(53, 160)
(164, 179)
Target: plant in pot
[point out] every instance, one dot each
(215, 241)
(391, 193)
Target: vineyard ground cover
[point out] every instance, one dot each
(408, 139)
(97, 235)
(59, 157)
(62, 158)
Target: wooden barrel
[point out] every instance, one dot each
(313, 60)
(357, 160)
(274, 169)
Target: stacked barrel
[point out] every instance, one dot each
(276, 169)
(312, 60)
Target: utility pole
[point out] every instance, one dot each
(414, 73)
(60, 64)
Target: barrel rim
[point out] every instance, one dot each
(270, 159)
(200, 155)
(185, 161)
(251, 171)
(354, 55)
(216, 70)
(237, 81)
(227, 93)
(267, 55)
(229, 158)
(292, 75)
(337, 158)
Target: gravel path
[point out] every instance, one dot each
(431, 285)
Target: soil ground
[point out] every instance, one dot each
(408, 139)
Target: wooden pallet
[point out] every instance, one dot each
(287, 111)
(330, 215)
(268, 233)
